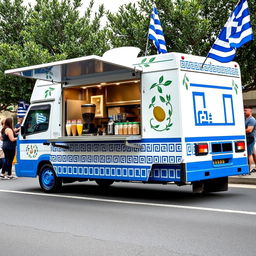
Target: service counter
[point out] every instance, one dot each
(127, 139)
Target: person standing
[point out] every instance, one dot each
(250, 124)
(9, 147)
(1, 150)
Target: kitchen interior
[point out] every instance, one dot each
(103, 109)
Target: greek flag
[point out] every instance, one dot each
(236, 32)
(22, 109)
(40, 118)
(156, 32)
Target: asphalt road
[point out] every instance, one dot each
(126, 219)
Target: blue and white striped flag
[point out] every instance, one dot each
(236, 32)
(156, 32)
(22, 109)
(40, 118)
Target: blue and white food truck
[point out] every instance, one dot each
(153, 119)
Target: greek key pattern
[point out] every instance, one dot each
(165, 174)
(118, 172)
(110, 172)
(120, 147)
(190, 149)
(115, 159)
(209, 68)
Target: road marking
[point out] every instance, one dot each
(133, 203)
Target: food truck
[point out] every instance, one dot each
(154, 119)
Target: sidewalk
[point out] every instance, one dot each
(243, 179)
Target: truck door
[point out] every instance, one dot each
(30, 147)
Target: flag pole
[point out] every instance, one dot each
(146, 50)
(205, 60)
(208, 54)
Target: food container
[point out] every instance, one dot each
(135, 128)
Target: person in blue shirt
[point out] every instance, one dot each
(250, 124)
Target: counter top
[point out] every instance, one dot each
(88, 138)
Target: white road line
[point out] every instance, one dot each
(133, 203)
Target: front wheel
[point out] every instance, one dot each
(48, 180)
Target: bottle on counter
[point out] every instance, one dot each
(125, 128)
(116, 128)
(129, 129)
(120, 129)
(68, 127)
(135, 128)
(111, 126)
(79, 127)
(73, 128)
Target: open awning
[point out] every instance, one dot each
(82, 70)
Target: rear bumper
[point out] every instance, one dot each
(207, 170)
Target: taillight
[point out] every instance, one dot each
(201, 149)
(239, 146)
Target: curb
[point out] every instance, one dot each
(242, 180)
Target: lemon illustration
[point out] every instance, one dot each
(159, 114)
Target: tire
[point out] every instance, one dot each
(104, 183)
(212, 185)
(48, 180)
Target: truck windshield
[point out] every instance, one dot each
(37, 119)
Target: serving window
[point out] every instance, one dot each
(119, 101)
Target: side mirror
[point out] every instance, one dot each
(22, 131)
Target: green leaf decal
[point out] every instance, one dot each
(165, 101)
(185, 81)
(168, 82)
(162, 99)
(152, 59)
(153, 85)
(159, 89)
(143, 61)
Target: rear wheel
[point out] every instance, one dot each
(48, 180)
(212, 185)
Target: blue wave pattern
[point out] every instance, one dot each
(190, 65)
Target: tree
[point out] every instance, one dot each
(58, 27)
(133, 22)
(51, 30)
(13, 17)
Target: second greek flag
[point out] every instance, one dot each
(156, 32)
(236, 32)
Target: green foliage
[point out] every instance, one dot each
(49, 31)
(13, 17)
